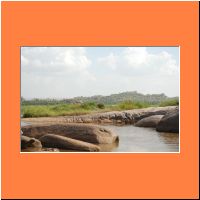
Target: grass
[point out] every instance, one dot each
(128, 105)
(80, 109)
(54, 110)
(171, 102)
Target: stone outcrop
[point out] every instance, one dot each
(150, 121)
(58, 141)
(170, 122)
(27, 142)
(87, 133)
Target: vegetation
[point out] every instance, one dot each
(75, 106)
(128, 105)
(77, 109)
(56, 110)
(99, 99)
(171, 102)
(101, 105)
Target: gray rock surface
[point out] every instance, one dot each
(27, 142)
(83, 132)
(58, 141)
(150, 121)
(170, 122)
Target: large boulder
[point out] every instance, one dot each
(58, 141)
(83, 132)
(151, 121)
(27, 142)
(170, 122)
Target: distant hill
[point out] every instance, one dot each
(110, 99)
(124, 96)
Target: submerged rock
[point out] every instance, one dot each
(150, 121)
(58, 141)
(170, 122)
(83, 132)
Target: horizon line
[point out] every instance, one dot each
(59, 98)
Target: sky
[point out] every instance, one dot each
(67, 72)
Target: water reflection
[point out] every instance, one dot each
(108, 147)
(137, 139)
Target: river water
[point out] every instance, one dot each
(24, 123)
(137, 139)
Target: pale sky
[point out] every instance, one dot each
(66, 72)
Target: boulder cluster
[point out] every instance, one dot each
(79, 137)
(163, 123)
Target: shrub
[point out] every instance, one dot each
(171, 102)
(101, 105)
(128, 105)
(88, 105)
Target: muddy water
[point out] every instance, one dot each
(137, 139)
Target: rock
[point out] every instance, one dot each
(87, 120)
(103, 116)
(145, 114)
(128, 116)
(151, 121)
(78, 120)
(106, 121)
(170, 122)
(112, 116)
(108, 147)
(83, 132)
(69, 120)
(58, 141)
(27, 142)
(119, 116)
(51, 149)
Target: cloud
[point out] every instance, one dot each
(63, 60)
(54, 71)
(138, 61)
(111, 61)
(135, 56)
(63, 72)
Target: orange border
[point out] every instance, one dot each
(99, 24)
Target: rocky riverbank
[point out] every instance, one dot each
(114, 117)
(76, 132)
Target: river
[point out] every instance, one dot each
(137, 139)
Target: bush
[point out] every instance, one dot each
(101, 105)
(88, 105)
(171, 102)
(128, 105)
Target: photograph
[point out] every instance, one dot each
(110, 99)
(100, 100)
